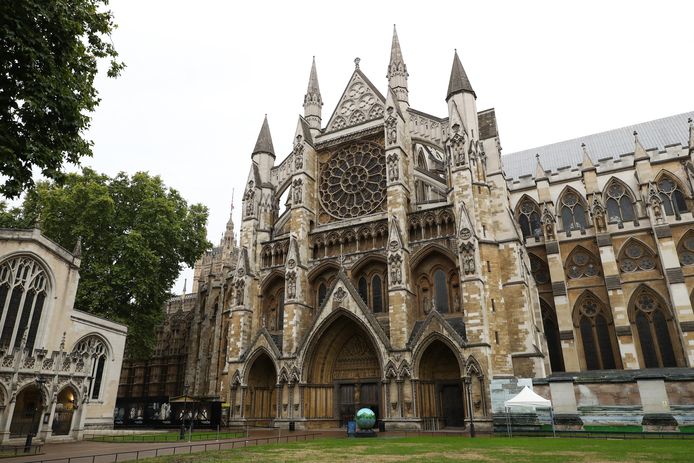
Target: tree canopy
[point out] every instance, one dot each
(135, 236)
(49, 54)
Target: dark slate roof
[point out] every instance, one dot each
(277, 339)
(458, 324)
(459, 81)
(487, 123)
(611, 144)
(264, 142)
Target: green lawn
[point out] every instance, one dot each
(450, 449)
(172, 436)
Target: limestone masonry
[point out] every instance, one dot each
(396, 260)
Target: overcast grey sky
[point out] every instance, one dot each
(201, 74)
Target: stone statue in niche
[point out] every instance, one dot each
(391, 127)
(393, 168)
(297, 191)
(291, 285)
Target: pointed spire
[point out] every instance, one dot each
(264, 143)
(539, 170)
(395, 53)
(459, 81)
(77, 252)
(313, 102)
(639, 151)
(586, 162)
(185, 283)
(691, 134)
(397, 70)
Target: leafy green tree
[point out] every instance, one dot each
(135, 235)
(49, 54)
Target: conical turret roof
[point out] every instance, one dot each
(264, 143)
(459, 81)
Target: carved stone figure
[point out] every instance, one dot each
(391, 124)
(297, 191)
(393, 167)
(291, 285)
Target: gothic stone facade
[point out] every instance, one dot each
(59, 367)
(418, 272)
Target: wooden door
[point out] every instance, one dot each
(452, 405)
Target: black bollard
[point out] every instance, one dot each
(27, 444)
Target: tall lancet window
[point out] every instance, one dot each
(23, 290)
(620, 206)
(672, 197)
(94, 348)
(573, 211)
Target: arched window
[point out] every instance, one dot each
(685, 249)
(322, 290)
(377, 290)
(581, 263)
(573, 212)
(437, 283)
(671, 195)
(421, 160)
(93, 347)
(371, 286)
(551, 327)
(272, 316)
(440, 291)
(636, 257)
(539, 269)
(653, 325)
(529, 218)
(23, 291)
(363, 289)
(619, 204)
(596, 332)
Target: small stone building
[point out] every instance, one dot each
(59, 367)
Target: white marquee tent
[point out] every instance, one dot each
(527, 398)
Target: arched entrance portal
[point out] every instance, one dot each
(262, 378)
(440, 386)
(344, 374)
(27, 412)
(64, 409)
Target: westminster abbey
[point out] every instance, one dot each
(394, 259)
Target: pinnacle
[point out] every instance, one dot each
(395, 51)
(459, 81)
(313, 79)
(264, 143)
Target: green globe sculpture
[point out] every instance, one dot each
(366, 418)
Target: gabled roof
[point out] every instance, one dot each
(360, 102)
(612, 144)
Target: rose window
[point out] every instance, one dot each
(353, 181)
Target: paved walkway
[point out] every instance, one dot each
(105, 452)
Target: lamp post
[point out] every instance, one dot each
(183, 415)
(468, 388)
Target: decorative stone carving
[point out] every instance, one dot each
(239, 287)
(291, 284)
(457, 145)
(597, 210)
(353, 181)
(391, 124)
(297, 191)
(340, 294)
(395, 264)
(298, 153)
(547, 221)
(655, 203)
(468, 252)
(393, 167)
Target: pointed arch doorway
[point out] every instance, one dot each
(27, 412)
(344, 374)
(440, 386)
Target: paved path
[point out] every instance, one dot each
(105, 452)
